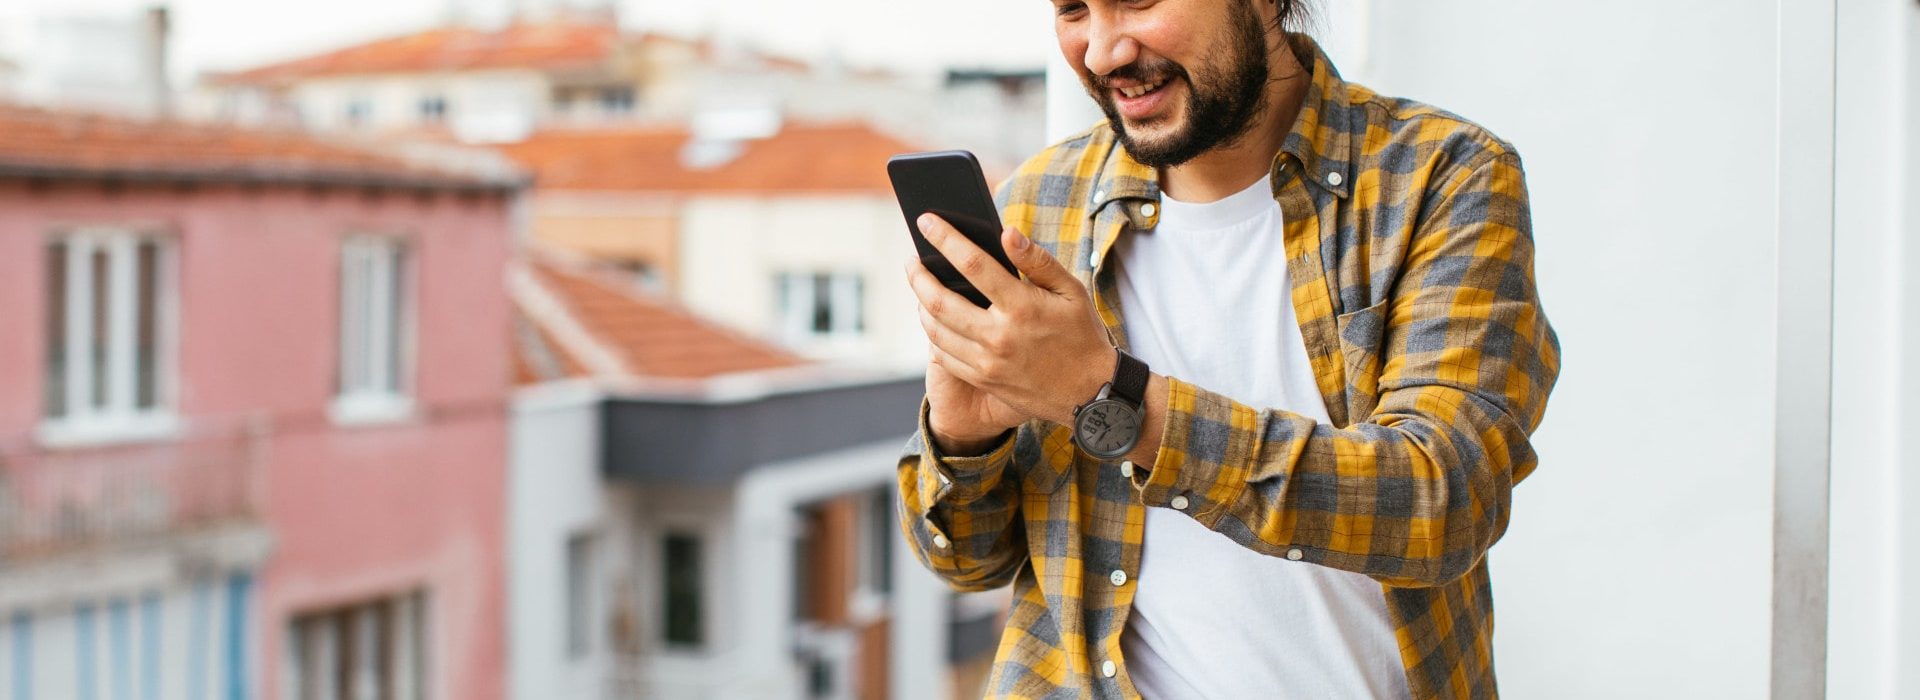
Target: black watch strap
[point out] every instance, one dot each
(1130, 379)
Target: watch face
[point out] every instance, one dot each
(1107, 428)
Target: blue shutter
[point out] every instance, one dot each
(22, 656)
(239, 589)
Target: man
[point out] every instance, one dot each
(1251, 417)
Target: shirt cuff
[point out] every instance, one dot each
(1208, 445)
(960, 480)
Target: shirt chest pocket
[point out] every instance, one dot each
(1361, 334)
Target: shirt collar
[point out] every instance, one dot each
(1320, 141)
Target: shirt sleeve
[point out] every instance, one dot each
(960, 513)
(1414, 494)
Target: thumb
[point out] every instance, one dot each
(1037, 264)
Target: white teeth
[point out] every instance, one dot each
(1140, 90)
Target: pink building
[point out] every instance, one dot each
(253, 394)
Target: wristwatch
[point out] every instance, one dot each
(1108, 427)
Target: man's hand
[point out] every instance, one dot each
(965, 421)
(1040, 350)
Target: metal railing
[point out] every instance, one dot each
(61, 500)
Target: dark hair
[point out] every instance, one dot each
(1293, 16)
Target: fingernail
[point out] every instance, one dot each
(1020, 241)
(926, 222)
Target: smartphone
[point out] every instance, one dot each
(950, 185)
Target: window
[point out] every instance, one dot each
(359, 111)
(371, 650)
(616, 100)
(374, 329)
(817, 306)
(22, 661)
(106, 332)
(433, 109)
(683, 591)
(877, 529)
(579, 596)
(644, 274)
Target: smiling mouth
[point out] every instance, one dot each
(1140, 90)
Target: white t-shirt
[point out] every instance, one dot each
(1206, 298)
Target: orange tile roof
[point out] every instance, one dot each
(844, 157)
(36, 143)
(651, 337)
(553, 45)
(537, 357)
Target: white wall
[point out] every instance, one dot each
(485, 106)
(1638, 559)
(766, 527)
(87, 62)
(553, 491)
(747, 532)
(731, 247)
(1876, 314)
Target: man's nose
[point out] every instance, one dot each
(1109, 47)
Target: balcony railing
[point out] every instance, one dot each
(61, 500)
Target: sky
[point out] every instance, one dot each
(908, 35)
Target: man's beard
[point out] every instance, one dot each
(1220, 108)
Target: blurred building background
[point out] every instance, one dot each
(255, 413)
(539, 349)
(685, 496)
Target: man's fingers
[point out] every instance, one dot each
(981, 269)
(953, 310)
(953, 365)
(948, 341)
(1037, 264)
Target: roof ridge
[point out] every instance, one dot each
(581, 267)
(75, 144)
(590, 314)
(548, 309)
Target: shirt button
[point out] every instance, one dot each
(1126, 468)
(942, 542)
(1099, 195)
(1333, 179)
(1294, 554)
(1107, 669)
(1119, 578)
(1148, 209)
(1093, 259)
(1178, 503)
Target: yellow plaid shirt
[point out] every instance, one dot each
(1411, 258)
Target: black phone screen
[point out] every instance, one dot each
(950, 185)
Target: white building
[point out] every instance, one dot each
(697, 514)
(786, 232)
(89, 62)
(573, 70)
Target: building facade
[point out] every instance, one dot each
(252, 443)
(695, 514)
(790, 234)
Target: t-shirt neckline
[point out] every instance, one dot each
(1233, 209)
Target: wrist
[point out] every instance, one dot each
(951, 444)
(948, 446)
(1098, 374)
